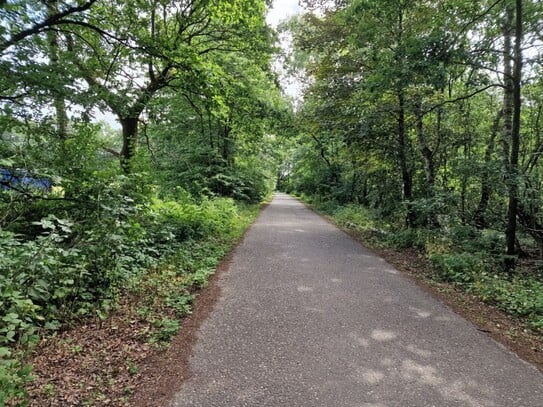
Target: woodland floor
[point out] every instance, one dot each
(109, 363)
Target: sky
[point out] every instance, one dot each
(281, 10)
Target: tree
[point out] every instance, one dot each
(127, 52)
(513, 26)
(215, 138)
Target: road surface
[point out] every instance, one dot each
(310, 318)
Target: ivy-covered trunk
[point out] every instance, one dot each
(130, 140)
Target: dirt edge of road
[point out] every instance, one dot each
(164, 372)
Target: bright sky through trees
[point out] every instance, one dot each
(281, 10)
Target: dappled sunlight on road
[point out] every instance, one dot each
(415, 371)
(420, 313)
(382, 336)
(304, 289)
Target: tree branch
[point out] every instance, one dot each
(460, 98)
(38, 27)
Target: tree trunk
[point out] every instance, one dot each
(353, 196)
(486, 187)
(513, 99)
(130, 141)
(428, 159)
(226, 148)
(407, 178)
(58, 102)
(508, 115)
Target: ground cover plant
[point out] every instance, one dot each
(122, 220)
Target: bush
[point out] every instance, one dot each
(74, 269)
(519, 295)
(187, 219)
(409, 238)
(71, 269)
(461, 268)
(13, 378)
(361, 220)
(469, 239)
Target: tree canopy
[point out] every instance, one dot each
(414, 107)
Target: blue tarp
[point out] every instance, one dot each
(21, 179)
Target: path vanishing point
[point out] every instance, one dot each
(309, 318)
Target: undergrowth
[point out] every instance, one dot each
(154, 250)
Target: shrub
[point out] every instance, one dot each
(13, 378)
(469, 239)
(461, 268)
(409, 238)
(353, 217)
(187, 219)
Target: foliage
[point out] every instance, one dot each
(519, 296)
(404, 113)
(57, 277)
(420, 127)
(13, 378)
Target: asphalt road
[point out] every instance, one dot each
(308, 317)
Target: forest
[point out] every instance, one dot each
(419, 126)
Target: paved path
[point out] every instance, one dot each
(309, 318)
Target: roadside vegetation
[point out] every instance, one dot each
(420, 127)
(465, 257)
